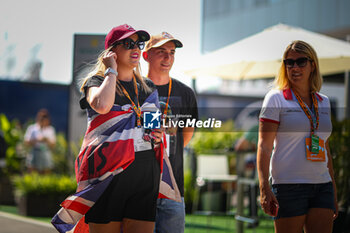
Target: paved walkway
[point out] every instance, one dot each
(10, 223)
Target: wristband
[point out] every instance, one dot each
(111, 70)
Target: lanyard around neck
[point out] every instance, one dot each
(167, 101)
(307, 111)
(137, 108)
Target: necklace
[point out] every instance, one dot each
(135, 107)
(167, 101)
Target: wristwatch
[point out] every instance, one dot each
(111, 70)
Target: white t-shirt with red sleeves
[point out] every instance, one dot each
(288, 161)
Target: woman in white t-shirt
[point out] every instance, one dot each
(41, 137)
(293, 152)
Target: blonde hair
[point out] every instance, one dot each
(99, 69)
(281, 81)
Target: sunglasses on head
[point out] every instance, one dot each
(301, 62)
(130, 43)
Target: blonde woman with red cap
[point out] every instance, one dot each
(115, 160)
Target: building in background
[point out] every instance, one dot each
(227, 21)
(21, 100)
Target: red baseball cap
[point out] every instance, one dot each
(123, 31)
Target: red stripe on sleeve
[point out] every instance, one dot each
(319, 97)
(269, 120)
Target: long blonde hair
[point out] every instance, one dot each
(99, 69)
(281, 81)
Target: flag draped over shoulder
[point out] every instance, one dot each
(108, 149)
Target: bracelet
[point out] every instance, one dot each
(111, 70)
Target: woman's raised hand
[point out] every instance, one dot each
(110, 60)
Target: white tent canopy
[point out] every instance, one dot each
(259, 56)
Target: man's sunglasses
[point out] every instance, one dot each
(301, 62)
(130, 44)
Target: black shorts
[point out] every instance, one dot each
(131, 194)
(297, 199)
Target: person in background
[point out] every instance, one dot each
(41, 138)
(293, 150)
(178, 100)
(247, 144)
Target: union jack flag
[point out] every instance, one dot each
(107, 137)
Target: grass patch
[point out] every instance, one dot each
(14, 210)
(8, 209)
(223, 224)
